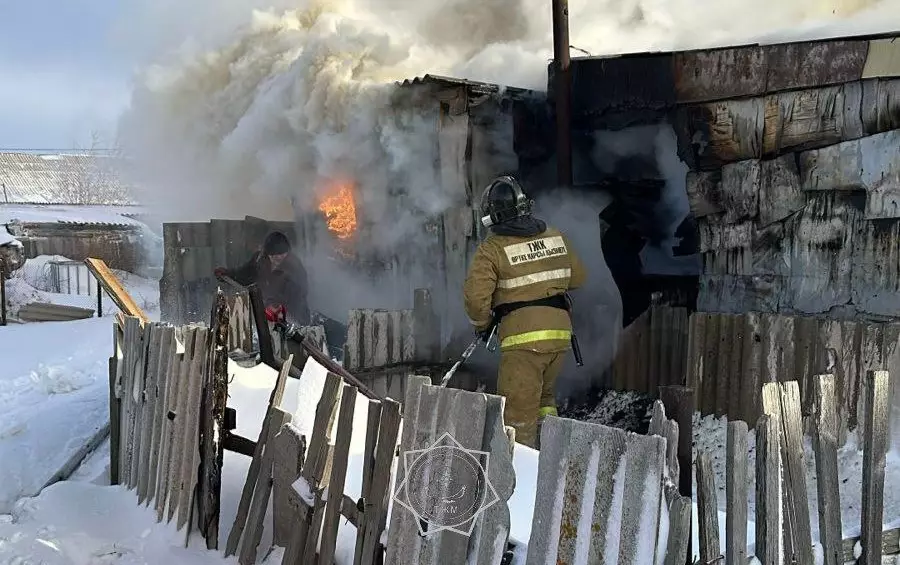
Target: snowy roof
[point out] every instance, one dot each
(27, 178)
(68, 214)
(7, 239)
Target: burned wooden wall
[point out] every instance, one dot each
(796, 192)
(794, 157)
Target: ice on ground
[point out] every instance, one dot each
(53, 399)
(710, 435)
(80, 523)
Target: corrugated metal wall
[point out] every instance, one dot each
(652, 351)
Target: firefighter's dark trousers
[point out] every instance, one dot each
(528, 381)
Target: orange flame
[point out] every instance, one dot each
(339, 210)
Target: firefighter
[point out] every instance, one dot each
(520, 274)
(281, 279)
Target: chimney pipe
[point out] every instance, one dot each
(563, 90)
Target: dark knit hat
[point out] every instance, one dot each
(276, 243)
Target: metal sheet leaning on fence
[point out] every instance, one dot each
(519, 276)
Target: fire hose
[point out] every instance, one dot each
(488, 335)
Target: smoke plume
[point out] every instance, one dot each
(246, 111)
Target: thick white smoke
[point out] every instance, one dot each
(252, 108)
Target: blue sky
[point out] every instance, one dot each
(63, 73)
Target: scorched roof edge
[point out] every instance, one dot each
(477, 86)
(863, 37)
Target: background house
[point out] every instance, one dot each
(74, 205)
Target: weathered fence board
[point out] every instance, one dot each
(625, 473)
(875, 442)
(255, 471)
(707, 510)
(449, 420)
(158, 396)
(306, 488)
(825, 441)
(736, 494)
(768, 491)
(785, 348)
(782, 522)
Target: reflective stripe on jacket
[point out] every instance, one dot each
(515, 269)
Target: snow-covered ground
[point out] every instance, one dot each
(53, 397)
(710, 436)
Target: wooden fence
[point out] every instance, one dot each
(163, 374)
(614, 488)
(168, 389)
(731, 356)
(652, 351)
(782, 510)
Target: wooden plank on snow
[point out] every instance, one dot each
(114, 288)
(768, 491)
(212, 421)
(782, 402)
(312, 472)
(707, 509)
(375, 513)
(139, 374)
(290, 450)
(167, 431)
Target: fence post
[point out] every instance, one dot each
(874, 453)
(736, 494)
(679, 404)
(99, 300)
(825, 443)
(2, 293)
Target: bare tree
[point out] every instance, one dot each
(92, 176)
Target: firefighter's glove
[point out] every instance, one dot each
(275, 312)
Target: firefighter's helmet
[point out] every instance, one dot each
(504, 200)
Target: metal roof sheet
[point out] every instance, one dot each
(27, 178)
(474, 85)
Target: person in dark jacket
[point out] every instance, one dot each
(281, 279)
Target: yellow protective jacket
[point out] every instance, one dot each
(515, 269)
